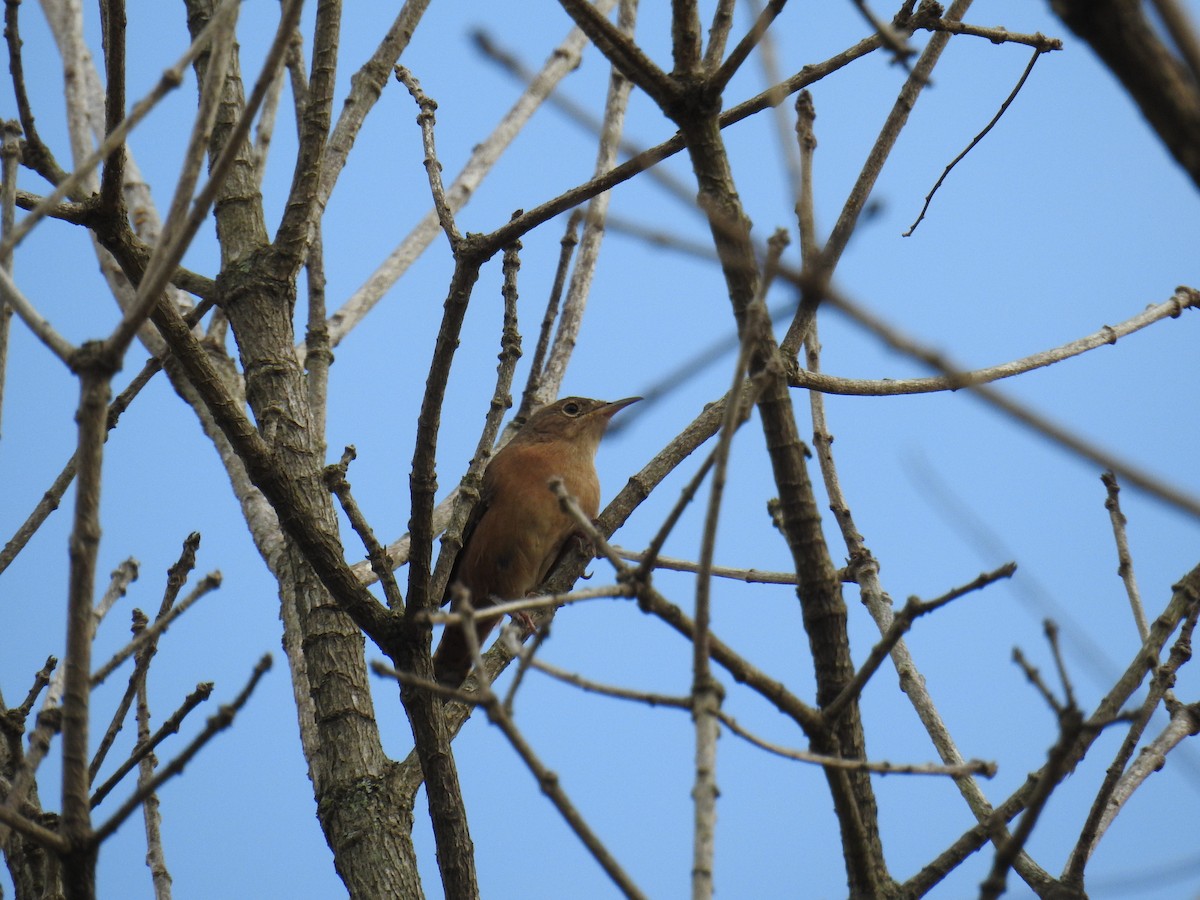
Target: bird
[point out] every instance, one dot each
(517, 530)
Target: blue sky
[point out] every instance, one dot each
(1068, 216)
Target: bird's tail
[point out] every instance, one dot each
(452, 659)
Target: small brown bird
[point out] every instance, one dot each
(517, 530)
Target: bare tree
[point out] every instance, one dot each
(246, 340)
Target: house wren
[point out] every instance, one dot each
(517, 530)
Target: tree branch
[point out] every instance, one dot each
(1164, 89)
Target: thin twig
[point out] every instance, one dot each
(806, 142)
(10, 159)
(37, 155)
(718, 34)
(569, 241)
(51, 840)
(997, 35)
(1071, 724)
(900, 625)
(433, 168)
(54, 494)
(529, 604)
(525, 654)
(49, 723)
(746, 45)
(122, 575)
(551, 787)
(208, 583)
(1185, 297)
(40, 680)
(955, 378)
(117, 722)
(651, 559)
(1034, 677)
(1122, 779)
(1185, 598)
(917, 80)
(11, 295)
(866, 572)
(423, 477)
(170, 79)
(1050, 628)
(969, 767)
(749, 576)
(215, 725)
(156, 859)
(1124, 559)
(459, 695)
(608, 690)
(366, 86)
(461, 600)
(586, 258)
(467, 493)
(146, 743)
(510, 334)
(1185, 723)
(893, 40)
(561, 62)
(381, 562)
(706, 692)
(626, 56)
(975, 140)
(170, 251)
(174, 236)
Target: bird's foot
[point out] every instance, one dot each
(581, 543)
(526, 621)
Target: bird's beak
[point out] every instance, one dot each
(611, 409)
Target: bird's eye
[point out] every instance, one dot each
(571, 409)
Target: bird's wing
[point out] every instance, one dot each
(486, 492)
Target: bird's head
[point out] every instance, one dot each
(576, 420)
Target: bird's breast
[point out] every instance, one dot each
(524, 528)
